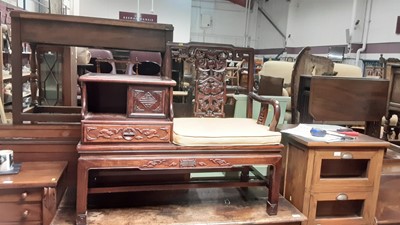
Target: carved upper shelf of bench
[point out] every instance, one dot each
(127, 79)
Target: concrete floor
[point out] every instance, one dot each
(195, 206)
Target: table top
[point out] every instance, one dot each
(360, 141)
(34, 174)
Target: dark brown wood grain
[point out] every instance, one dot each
(347, 99)
(127, 125)
(306, 64)
(117, 34)
(34, 193)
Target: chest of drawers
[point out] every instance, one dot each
(334, 183)
(32, 196)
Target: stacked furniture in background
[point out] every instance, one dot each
(144, 63)
(102, 61)
(305, 64)
(298, 87)
(391, 122)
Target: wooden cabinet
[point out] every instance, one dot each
(32, 195)
(337, 182)
(114, 104)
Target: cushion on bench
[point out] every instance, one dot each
(222, 132)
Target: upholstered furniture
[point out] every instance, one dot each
(305, 64)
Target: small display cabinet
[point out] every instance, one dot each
(126, 109)
(337, 182)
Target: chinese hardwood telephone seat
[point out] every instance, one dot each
(128, 123)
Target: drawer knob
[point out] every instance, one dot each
(342, 197)
(24, 195)
(128, 134)
(347, 156)
(25, 214)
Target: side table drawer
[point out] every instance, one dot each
(126, 133)
(14, 212)
(355, 170)
(336, 208)
(21, 195)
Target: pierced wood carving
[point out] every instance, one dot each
(210, 87)
(210, 63)
(135, 133)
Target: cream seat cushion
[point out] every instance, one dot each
(346, 70)
(222, 132)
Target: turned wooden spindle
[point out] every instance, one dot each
(34, 77)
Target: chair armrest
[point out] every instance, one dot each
(265, 102)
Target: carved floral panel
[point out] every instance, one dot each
(210, 63)
(127, 133)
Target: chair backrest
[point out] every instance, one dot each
(210, 62)
(270, 86)
(102, 60)
(145, 63)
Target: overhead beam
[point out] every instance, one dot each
(272, 23)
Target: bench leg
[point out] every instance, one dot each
(274, 176)
(82, 193)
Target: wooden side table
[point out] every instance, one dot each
(337, 182)
(32, 195)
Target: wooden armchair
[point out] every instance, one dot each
(208, 129)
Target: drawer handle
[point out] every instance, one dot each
(128, 134)
(342, 197)
(25, 214)
(347, 156)
(24, 195)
